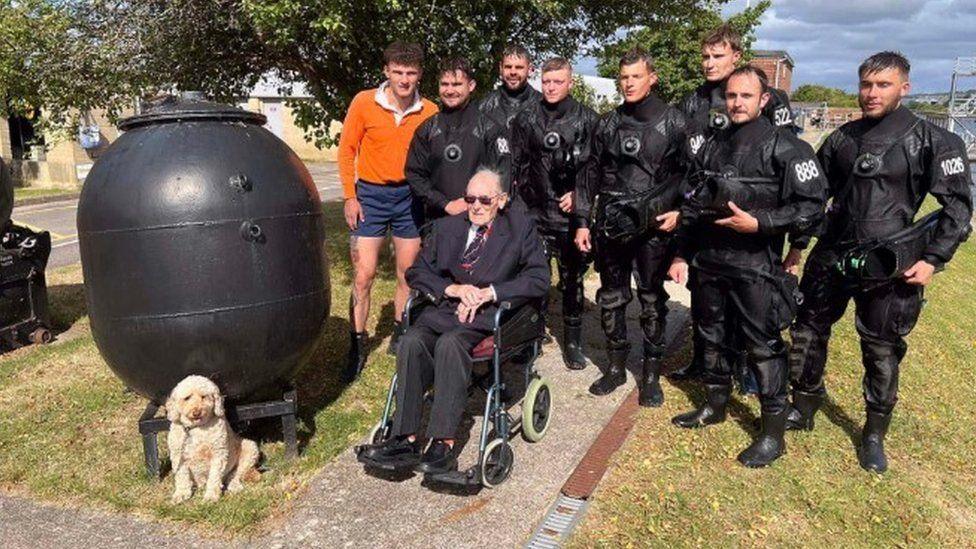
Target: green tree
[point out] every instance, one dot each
(586, 94)
(674, 43)
(46, 65)
(137, 47)
(813, 93)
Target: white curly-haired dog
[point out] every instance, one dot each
(203, 449)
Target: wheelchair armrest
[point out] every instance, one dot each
(416, 301)
(503, 308)
(518, 321)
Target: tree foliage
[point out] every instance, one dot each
(46, 64)
(89, 53)
(586, 94)
(813, 93)
(674, 43)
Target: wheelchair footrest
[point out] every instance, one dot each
(398, 465)
(469, 478)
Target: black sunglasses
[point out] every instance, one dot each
(485, 200)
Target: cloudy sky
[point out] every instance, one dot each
(828, 38)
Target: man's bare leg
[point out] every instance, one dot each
(406, 252)
(364, 251)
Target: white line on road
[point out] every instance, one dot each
(68, 243)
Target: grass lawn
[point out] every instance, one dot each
(68, 429)
(670, 487)
(24, 193)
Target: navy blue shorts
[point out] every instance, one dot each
(388, 207)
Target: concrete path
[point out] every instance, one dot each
(28, 525)
(344, 507)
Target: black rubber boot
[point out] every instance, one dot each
(712, 412)
(573, 347)
(871, 454)
(769, 445)
(691, 371)
(395, 338)
(357, 356)
(805, 406)
(616, 374)
(649, 393)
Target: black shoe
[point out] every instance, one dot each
(573, 348)
(871, 454)
(615, 376)
(692, 371)
(439, 458)
(357, 356)
(805, 406)
(395, 338)
(769, 445)
(650, 394)
(712, 412)
(398, 450)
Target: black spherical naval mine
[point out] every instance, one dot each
(202, 246)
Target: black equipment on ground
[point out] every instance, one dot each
(201, 238)
(889, 257)
(23, 291)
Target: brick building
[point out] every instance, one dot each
(778, 66)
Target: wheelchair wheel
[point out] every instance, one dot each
(497, 463)
(379, 432)
(536, 410)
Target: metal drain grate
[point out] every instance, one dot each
(558, 523)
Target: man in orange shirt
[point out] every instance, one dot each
(372, 152)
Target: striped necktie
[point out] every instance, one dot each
(473, 252)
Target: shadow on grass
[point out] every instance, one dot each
(66, 304)
(737, 409)
(839, 417)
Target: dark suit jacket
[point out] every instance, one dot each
(513, 261)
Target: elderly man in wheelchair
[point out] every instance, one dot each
(476, 289)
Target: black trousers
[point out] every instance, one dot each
(434, 352)
(572, 265)
(884, 315)
(757, 308)
(648, 259)
(736, 355)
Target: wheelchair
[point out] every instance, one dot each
(515, 341)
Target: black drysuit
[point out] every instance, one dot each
(502, 105)
(445, 152)
(738, 277)
(550, 147)
(917, 158)
(710, 98)
(638, 149)
(698, 107)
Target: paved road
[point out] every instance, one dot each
(59, 217)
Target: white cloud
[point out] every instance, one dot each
(829, 39)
